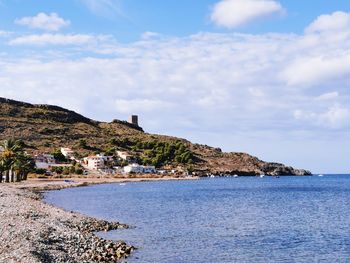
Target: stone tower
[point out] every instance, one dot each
(134, 119)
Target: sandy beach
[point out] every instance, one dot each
(33, 231)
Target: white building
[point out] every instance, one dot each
(44, 161)
(124, 155)
(139, 169)
(97, 162)
(94, 163)
(149, 169)
(67, 152)
(133, 168)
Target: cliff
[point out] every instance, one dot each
(45, 127)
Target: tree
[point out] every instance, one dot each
(82, 143)
(22, 165)
(14, 162)
(110, 151)
(72, 170)
(79, 171)
(59, 156)
(10, 149)
(66, 170)
(190, 169)
(57, 169)
(1, 171)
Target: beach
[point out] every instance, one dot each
(33, 231)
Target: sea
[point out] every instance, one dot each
(244, 219)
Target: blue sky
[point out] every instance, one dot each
(130, 18)
(266, 77)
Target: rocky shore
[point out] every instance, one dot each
(32, 231)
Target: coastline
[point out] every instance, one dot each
(34, 231)
(39, 185)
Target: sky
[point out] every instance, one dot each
(266, 77)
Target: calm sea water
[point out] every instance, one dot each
(290, 219)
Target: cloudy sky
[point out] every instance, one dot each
(267, 77)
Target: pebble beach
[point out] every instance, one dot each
(33, 231)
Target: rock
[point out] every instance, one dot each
(280, 169)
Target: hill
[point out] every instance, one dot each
(45, 128)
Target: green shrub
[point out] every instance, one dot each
(159, 153)
(59, 156)
(40, 171)
(79, 171)
(66, 170)
(82, 144)
(57, 169)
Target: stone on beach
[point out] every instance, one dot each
(37, 232)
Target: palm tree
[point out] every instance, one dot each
(22, 165)
(14, 162)
(6, 160)
(10, 149)
(1, 171)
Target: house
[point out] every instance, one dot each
(136, 168)
(149, 169)
(124, 155)
(67, 152)
(133, 168)
(44, 161)
(97, 162)
(93, 162)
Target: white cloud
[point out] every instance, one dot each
(315, 70)
(51, 22)
(334, 117)
(328, 96)
(235, 13)
(214, 75)
(322, 54)
(149, 35)
(130, 106)
(103, 7)
(53, 39)
(256, 92)
(337, 21)
(5, 33)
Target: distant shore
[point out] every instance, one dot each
(34, 231)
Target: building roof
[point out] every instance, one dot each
(66, 148)
(93, 157)
(123, 153)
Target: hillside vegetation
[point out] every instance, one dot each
(45, 128)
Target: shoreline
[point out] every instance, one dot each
(35, 231)
(41, 185)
